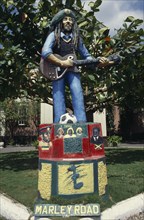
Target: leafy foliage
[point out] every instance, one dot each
(24, 27)
(114, 140)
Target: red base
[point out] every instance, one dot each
(54, 145)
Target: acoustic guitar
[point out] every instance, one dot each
(54, 72)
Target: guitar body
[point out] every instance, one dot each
(53, 72)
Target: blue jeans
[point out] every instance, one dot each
(74, 83)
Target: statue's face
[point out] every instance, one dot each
(95, 132)
(67, 23)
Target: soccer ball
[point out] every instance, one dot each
(68, 118)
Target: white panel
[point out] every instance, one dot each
(100, 117)
(46, 113)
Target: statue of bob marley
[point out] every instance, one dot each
(65, 39)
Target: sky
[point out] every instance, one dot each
(113, 12)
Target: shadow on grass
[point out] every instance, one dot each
(124, 156)
(29, 160)
(19, 161)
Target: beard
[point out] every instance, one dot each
(67, 28)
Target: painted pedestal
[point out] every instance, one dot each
(71, 160)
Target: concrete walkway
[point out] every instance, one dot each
(127, 145)
(11, 149)
(12, 210)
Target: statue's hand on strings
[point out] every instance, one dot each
(67, 63)
(104, 62)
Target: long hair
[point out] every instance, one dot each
(75, 32)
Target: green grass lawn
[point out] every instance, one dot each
(18, 172)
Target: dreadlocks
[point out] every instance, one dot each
(75, 32)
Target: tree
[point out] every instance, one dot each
(24, 27)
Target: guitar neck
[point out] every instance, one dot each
(86, 62)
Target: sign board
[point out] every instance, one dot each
(46, 210)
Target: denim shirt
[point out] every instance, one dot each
(50, 42)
